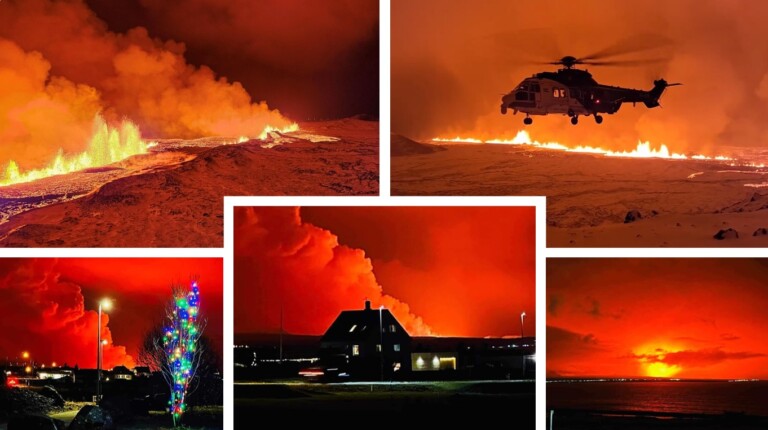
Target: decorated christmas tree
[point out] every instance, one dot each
(180, 346)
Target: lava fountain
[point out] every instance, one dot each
(107, 145)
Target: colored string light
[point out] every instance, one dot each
(179, 342)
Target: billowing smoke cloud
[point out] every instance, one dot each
(47, 317)
(38, 111)
(316, 59)
(284, 265)
(448, 74)
(467, 271)
(122, 75)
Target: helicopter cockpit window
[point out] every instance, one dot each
(521, 95)
(535, 88)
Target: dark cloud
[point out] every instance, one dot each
(695, 358)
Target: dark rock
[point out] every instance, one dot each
(726, 234)
(760, 232)
(632, 216)
(23, 401)
(92, 418)
(52, 394)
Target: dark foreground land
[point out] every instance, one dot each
(386, 403)
(197, 418)
(565, 419)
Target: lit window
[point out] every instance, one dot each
(378, 347)
(556, 92)
(355, 349)
(436, 363)
(354, 326)
(392, 328)
(397, 347)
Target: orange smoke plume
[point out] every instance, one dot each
(286, 266)
(54, 82)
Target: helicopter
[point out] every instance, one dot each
(573, 92)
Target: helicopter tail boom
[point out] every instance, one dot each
(654, 94)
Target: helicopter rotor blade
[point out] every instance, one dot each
(633, 44)
(623, 63)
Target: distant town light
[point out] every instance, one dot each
(28, 369)
(25, 355)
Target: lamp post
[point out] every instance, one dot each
(104, 304)
(522, 335)
(381, 341)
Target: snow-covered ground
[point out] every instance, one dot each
(173, 196)
(683, 203)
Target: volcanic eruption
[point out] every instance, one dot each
(93, 99)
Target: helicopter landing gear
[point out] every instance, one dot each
(527, 120)
(574, 120)
(598, 119)
(503, 109)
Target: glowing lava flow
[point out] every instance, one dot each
(269, 129)
(643, 150)
(107, 145)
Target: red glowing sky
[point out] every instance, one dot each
(683, 318)
(446, 271)
(49, 305)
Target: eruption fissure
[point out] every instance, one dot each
(643, 149)
(107, 145)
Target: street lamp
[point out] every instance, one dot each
(104, 304)
(522, 335)
(381, 341)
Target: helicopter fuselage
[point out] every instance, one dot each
(573, 92)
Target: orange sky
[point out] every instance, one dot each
(453, 59)
(444, 271)
(683, 318)
(49, 305)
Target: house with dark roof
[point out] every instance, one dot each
(371, 342)
(123, 373)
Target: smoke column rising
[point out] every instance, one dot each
(283, 262)
(62, 65)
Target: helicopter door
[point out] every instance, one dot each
(536, 91)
